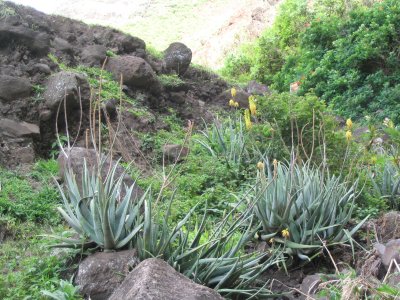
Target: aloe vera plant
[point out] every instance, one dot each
(227, 140)
(99, 211)
(217, 261)
(301, 206)
(386, 184)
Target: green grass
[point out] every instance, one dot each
(27, 210)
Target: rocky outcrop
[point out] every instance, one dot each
(12, 88)
(94, 55)
(154, 279)
(177, 58)
(101, 273)
(69, 86)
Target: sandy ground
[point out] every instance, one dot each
(211, 28)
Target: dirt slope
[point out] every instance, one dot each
(211, 28)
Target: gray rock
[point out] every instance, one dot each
(94, 55)
(18, 129)
(389, 252)
(175, 153)
(101, 273)
(63, 46)
(177, 58)
(255, 88)
(37, 42)
(75, 160)
(12, 88)
(135, 71)
(154, 279)
(68, 85)
(130, 44)
(41, 68)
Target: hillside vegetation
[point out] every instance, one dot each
(262, 192)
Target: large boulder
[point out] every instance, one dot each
(135, 71)
(101, 273)
(37, 42)
(18, 129)
(71, 86)
(93, 55)
(75, 158)
(154, 279)
(12, 88)
(177, 58)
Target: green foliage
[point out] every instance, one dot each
(6, 11)
(28, 266)
(110, 53)
(152, 51)
(310, 204)
(102, 211)
(21, 201)
(170, 80)
(65, 291)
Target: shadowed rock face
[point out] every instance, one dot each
(154, 279)
(101, 273)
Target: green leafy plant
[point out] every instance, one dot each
(103, 210)
(65, 291)
(301, 207)
(170, 80)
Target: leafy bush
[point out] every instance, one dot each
(102, 211)
(300, 206)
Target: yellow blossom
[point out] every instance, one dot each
(348, 135)
(236, 104)
(388, 123)
(285, 233)
(232, 102)
(247, 119)
(260, 165)
(271, 240)
(233, 92)
(252, 105)
(349, 124)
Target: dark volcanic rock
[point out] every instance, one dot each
(37, 42)
(16, 129)
(12, 88)
(177, 58)
(154, 279)
(94, 55)
(135, 71)
(101, 273)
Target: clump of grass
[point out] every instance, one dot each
(170, 80)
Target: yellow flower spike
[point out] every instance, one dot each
(236, 104)
(247, 119)
(349, 124)
(260, 165)
(348, 135)
(285, 233)
(232, 103)
(233, 92)
(252, 105)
